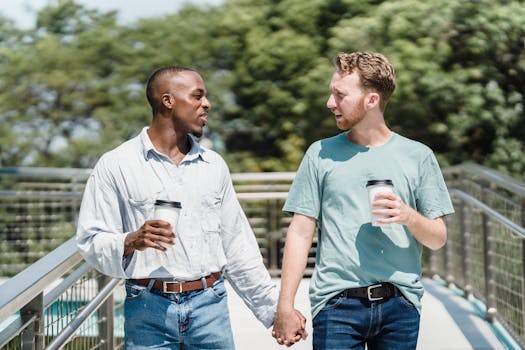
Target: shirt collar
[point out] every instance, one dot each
(195, 152)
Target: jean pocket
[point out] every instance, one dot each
(218, 289)
(406, 303)
(333, 303)
(133, 291)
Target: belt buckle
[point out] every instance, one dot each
(165, 287)
(369, 292)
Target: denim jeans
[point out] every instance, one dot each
(183, 321)
(350, 323)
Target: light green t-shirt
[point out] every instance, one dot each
(330, 186)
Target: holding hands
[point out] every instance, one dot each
(289, 327)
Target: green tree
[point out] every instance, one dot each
(57, 81)
(460, 68)
(73, 87)
(278, 79)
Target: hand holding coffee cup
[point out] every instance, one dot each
(374, 187)
(167, 211)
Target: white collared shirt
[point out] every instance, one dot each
(212, 234)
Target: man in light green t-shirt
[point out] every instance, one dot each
(366, 288)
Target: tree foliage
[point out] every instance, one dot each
(73, 86)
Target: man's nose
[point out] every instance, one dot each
(330, 103)
(206, 103)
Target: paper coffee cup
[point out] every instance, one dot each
(168, 211)
(374, 187)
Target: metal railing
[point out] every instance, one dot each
(485, 251)
(60, 302)
(38, 212)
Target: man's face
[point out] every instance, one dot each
(346, 100)
(190, 111)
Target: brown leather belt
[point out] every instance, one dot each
(179, 287)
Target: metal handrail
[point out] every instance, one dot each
(488, 175)
(24, 298)
(32, 281)
(517, 229)
(45, 172)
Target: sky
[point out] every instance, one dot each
(23, 11)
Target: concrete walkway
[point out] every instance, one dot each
(448, 322)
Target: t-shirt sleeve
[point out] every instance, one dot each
(304, 196)
(432, 197)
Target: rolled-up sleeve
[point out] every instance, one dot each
(245, 269)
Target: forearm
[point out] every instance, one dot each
(432, 233)
(298, 242)
(245, 269)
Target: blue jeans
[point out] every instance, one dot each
(350, 323)
(183, 321)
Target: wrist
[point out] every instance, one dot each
(285, 307)
(411, 218)
(128, 245)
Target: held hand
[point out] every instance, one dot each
(303, 333)
(150, 235)
(397, 211)
(289, 327)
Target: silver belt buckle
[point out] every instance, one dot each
(165, 287)
(369, 292)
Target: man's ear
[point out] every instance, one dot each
(167, 101)
(372, 100)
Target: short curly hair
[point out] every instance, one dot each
(375, 72)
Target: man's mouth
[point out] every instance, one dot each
(204, 119)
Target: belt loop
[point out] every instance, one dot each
(204, 284)
(151, 283)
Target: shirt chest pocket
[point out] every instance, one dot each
(210, 218)
(142, 208)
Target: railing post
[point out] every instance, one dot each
(449, 268)
(489, 276)
(431, 260)
(523, 268)
(33, 337)
(464, 228)
(106, 317)
(271, 234)
(488, 237)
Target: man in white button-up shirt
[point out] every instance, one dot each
(175, 291)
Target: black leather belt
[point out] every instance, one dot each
(374, 292)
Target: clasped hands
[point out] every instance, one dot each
(289, 327)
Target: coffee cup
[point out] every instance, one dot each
(374, 187)
(168, 211)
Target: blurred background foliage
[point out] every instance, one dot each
(72, 87)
